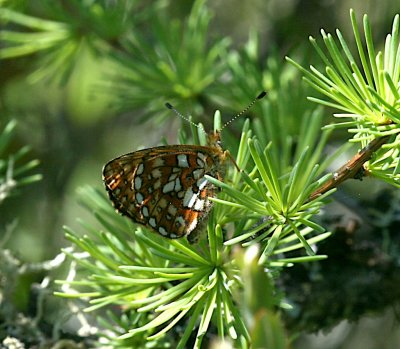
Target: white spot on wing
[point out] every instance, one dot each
(157, 185)
(199, 205)
(198, 173)
(192, 225)
(189, 198)
(162, 231)
(178, 185)
(152, 222)
(138, 182)
(201, 156)
(180, 221)
(139, 198)
(145, 211)
(201, 159)
(172, 210)
(172, 176)
(140, 169)
(201, 183)
(168, 187)
(200, 163)
(182, 160)
(156, 173)
(158, 162)
(162, 203)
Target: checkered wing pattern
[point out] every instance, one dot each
(164, 188)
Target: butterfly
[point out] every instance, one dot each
(164, 188)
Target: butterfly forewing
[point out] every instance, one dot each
(164, 188)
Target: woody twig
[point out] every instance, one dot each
(354, 168)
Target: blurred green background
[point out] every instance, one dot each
(75, 127)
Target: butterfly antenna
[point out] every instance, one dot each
(169, 106)
(260, 96)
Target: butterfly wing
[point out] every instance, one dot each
(164, 188)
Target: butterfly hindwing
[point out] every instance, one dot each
(164, 188)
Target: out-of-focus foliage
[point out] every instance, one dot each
(87, 81)
(13, 172)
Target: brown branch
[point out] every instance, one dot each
(351, 169)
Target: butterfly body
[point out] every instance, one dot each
(164, 188)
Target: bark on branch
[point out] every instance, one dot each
(352, 169)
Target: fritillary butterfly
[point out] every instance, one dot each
(164, 188)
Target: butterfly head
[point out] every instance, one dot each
(214, 139)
